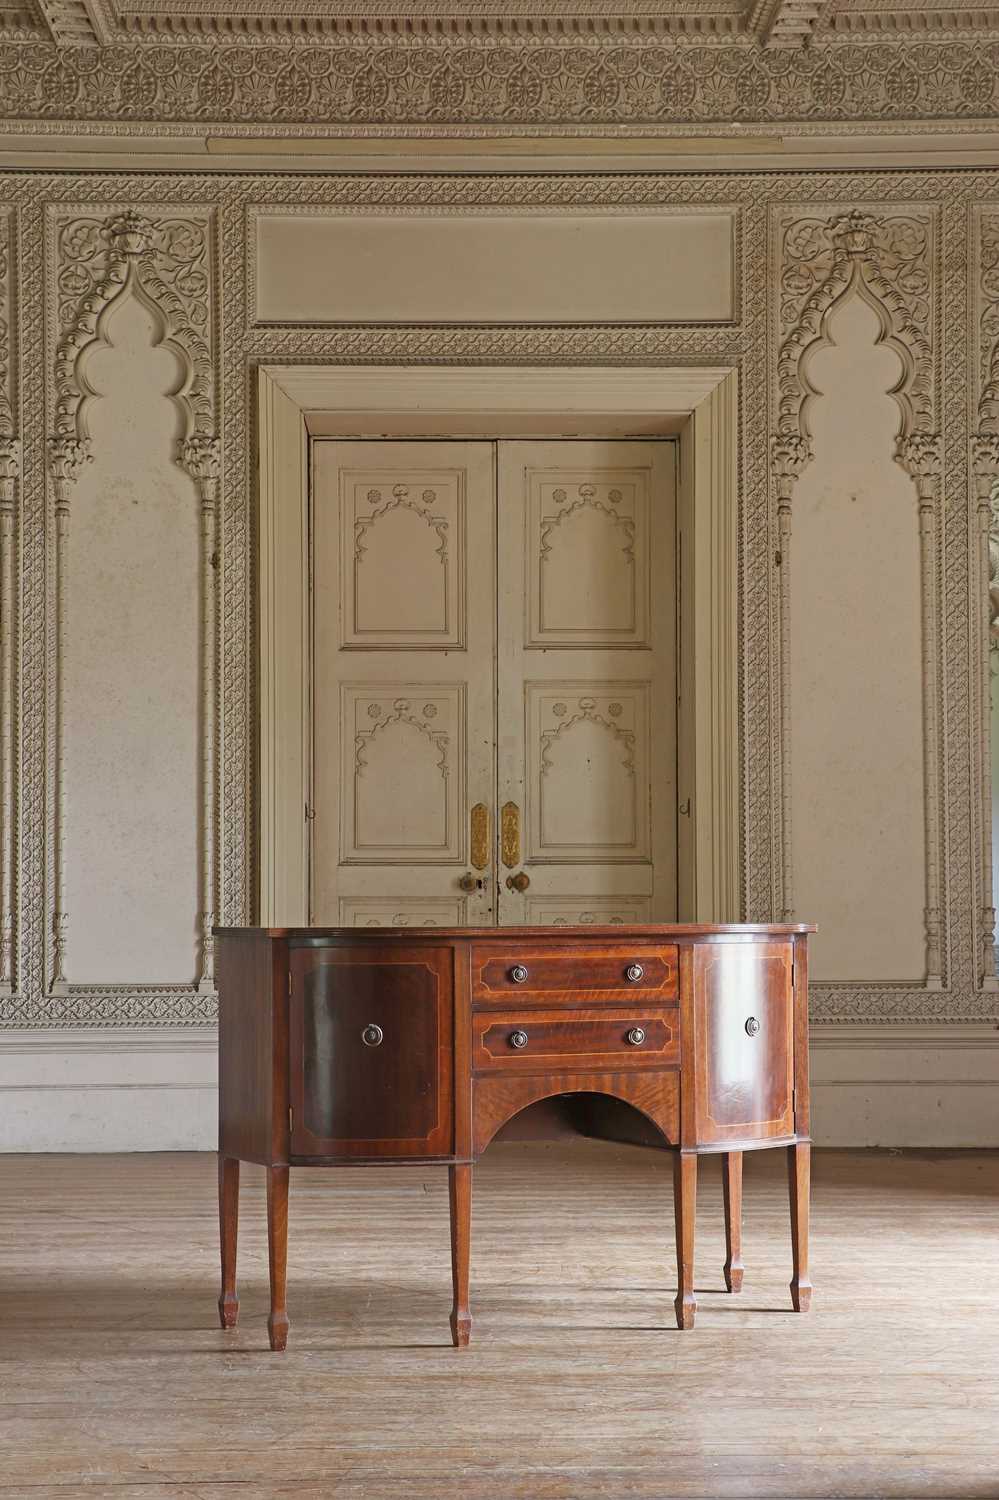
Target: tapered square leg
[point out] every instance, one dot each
(684, 1209)
(798, 1182)
(277, 1254)
(732, 1196)
(228, 1223)
(460, 1190)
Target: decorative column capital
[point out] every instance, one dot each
(10, 469)
(201, 456)
(67, 455)
(985, 465)
(790, 454)
(921, 456)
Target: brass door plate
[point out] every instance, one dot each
(479, 838)
(510, 834)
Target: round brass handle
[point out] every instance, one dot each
(469, 882)
(518, 974)
(518, 882)
(518, 1039)
(372, 1036)
(752, 1026)
(634, 972)
(636, 1036)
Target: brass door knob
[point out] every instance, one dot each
(518, 974)
(518, 1039)
(634, 972)
(372, 1036)
(469, 882)
(752, 1026)
(636, 1036)
(518, 882)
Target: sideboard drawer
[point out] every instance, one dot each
(545, 974)
(551, 1041)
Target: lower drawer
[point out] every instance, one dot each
(550, 1040)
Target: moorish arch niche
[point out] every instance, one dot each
(857, 472)
(134, 393)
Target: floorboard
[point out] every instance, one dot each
(115, 1380)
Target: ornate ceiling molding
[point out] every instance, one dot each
(490, 83)
(74, 23)
(786, 23)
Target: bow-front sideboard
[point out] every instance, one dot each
(343, 1046)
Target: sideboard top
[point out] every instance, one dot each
(668, 931)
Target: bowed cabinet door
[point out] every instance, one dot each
(371, 1046)
(744, 1041)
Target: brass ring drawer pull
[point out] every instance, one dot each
(752, 1026)
(372, 1036)
(634, 972)
(636, 1036)
(518, 1039)
(518, 974)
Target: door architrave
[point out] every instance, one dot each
(698, 405)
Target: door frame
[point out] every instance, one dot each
(697, 405)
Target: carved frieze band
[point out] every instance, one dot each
(10, 470)
(888, 259)
(985, 477)
(567, 79)
(166, 259)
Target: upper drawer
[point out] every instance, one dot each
(589, 973)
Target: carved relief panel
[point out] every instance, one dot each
(588, 558)
(402, 551)
(588, 771)
(403, 773)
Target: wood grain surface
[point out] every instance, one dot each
(117, 1381)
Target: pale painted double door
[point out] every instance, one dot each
(493, 683)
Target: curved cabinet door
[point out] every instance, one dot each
(743, 1041)
(371, 1038)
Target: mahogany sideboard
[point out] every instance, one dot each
(345, 1046)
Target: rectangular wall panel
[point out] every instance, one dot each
(608, 267)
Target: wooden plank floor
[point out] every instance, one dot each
(116, 1381)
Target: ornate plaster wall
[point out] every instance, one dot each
(918, 249)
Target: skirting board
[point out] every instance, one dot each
(140, 1090)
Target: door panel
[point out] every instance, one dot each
(403, 680)
(587, 687)
(744, 1064)
(371, 1048)
(466, 731)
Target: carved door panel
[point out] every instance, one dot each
(587, 685)
(403, 683)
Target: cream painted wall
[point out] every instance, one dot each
(897, 1063)
(856, 676)
(131, 674)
